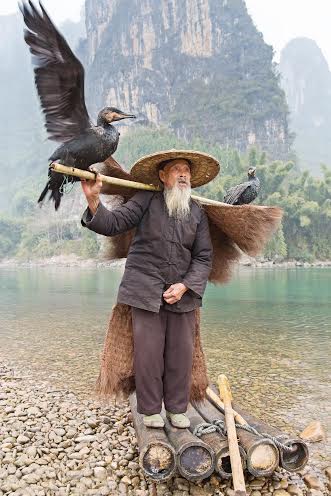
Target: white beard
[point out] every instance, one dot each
(178, 201)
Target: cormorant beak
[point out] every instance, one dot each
(118, 116)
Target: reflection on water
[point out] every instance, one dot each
(268, 330)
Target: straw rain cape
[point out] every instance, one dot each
(233, 229)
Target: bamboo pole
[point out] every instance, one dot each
(157, 457)
(293, 460)
(217, 442)
(236, 468)
(125, 183)
(195, 458)
(84, 174)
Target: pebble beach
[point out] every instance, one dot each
(54, 443)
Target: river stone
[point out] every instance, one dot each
(11, 468)
(71, 433)
(283, 483)
(92, 422)
(9, 439)
(84, 451)
(100, 473)
(312, 482)
(34, 411)
(314, 432)
(122, 488)
(328, 472)
(60, 432)
(257, 483)
(31, 451)
(7, 446)
(31, 478)
(135, 481)
(280, 492)
(295, 490)
(86, 439)
(126, 480)
(112, 485)
(22, 460)
(22, 439)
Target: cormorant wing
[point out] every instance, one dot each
(59, 76)
(234, 193)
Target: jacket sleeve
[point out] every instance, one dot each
(121, 219)
(201, 263)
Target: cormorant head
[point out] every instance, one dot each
(251, 172)
(112, 114)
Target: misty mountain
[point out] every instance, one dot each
(200, 67)
(306, 80)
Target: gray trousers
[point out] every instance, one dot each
(163, 353)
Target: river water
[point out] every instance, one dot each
(269, 330)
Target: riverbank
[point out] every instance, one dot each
(76, 261)
(54, 443)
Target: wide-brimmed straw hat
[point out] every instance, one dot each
(203, 167)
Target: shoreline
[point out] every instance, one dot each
(53, 442)
(76, 261)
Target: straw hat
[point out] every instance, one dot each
(204, 167)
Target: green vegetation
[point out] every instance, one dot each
(306, 200)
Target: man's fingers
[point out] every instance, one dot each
(171, 299)
(169, 291)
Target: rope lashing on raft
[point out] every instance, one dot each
(219, 426)
(207, 428)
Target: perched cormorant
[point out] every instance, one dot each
(245, 192)
(59, 77)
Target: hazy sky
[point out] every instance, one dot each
(279, 20)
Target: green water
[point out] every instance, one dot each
(268, 330)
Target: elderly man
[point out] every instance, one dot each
(165, 276)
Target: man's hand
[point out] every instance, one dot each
(91, 189)
(174, 293)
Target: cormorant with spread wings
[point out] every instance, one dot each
(59, 78)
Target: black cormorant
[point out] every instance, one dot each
(59, 77)
(245, 192)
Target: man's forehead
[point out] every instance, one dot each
(177, 161)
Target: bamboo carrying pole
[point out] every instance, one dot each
(125, 183)
(157, 457)
(217, 442)
(236, 468)
(262, 454)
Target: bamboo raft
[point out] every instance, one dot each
(196, 454)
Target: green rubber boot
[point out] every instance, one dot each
(153, 420)
(179, 420)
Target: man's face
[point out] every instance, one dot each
(176, 172)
